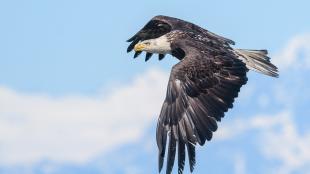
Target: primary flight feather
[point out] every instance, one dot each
(201, 87)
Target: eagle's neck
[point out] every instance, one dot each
(159, 45)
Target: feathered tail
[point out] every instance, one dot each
(257, 60)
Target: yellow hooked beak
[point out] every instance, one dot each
(139, 47)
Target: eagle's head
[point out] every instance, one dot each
(160, 45)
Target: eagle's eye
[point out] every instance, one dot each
(147, 43)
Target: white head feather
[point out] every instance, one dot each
(159, 45)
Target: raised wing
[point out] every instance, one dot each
(160, 25)
(201, 88)
(153, 29)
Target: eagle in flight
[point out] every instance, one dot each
(202, 85)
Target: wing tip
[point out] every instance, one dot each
(171, 154)
(160, 163)
(148, 56)
(129, 49)
(132, 38)
(137, 53)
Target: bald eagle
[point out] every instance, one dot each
(201, 87)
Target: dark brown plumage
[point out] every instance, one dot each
(201, 87)
(160, 25)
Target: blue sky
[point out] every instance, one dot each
(73, 101)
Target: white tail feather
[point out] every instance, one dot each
(257, 60)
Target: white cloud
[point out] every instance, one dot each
(258, 122)
(287, 145)
(76, 128)
(279, 139)
(295, 54)
(240, 164)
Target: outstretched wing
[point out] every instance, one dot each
(160, 25)
(153, 29)
(201, 88)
